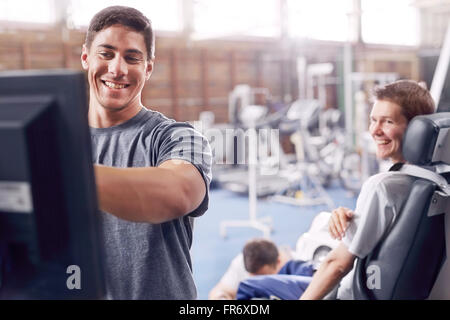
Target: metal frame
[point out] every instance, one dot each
(441, 69)
(262, 224)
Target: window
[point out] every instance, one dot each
(319, 19)
(165, 15)
(390, 22)
(219, 18)
(31, 11)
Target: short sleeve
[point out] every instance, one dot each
(180, 141)
(373, 216)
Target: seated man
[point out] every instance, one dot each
(382, 196)
(259, 257)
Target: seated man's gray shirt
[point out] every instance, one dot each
(379, 203)
(144, 260)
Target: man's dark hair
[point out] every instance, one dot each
(125, 16)
(409, 95)
(258, 253)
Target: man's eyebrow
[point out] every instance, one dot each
(108, 46)
(134, 51)
(382, 117)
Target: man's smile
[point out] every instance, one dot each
(115, 85)
(382, 142)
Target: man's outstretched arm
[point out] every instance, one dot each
(336, 265)
(150, 194)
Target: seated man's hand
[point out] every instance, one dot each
(339, 220)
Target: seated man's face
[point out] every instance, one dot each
(117, 67)
(387, 127)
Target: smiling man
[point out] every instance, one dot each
(382, 195)
(152, 173)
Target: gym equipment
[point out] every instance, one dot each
(49, 217)
(264, 224)
(320, 158)
(266, 173)
(315, 244)
(233, 174)
(441, 69)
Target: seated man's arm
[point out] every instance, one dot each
(339, 221)
(150, 194)
(337, 264)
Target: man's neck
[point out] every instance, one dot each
(101, 117)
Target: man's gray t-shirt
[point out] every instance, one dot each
(144, 260)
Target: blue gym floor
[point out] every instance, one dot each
(212, 254)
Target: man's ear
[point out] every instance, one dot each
(149, 68)
(84, 57)
(278, 264)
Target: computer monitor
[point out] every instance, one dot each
(49, 230)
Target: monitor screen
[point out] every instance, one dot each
(49, 230)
